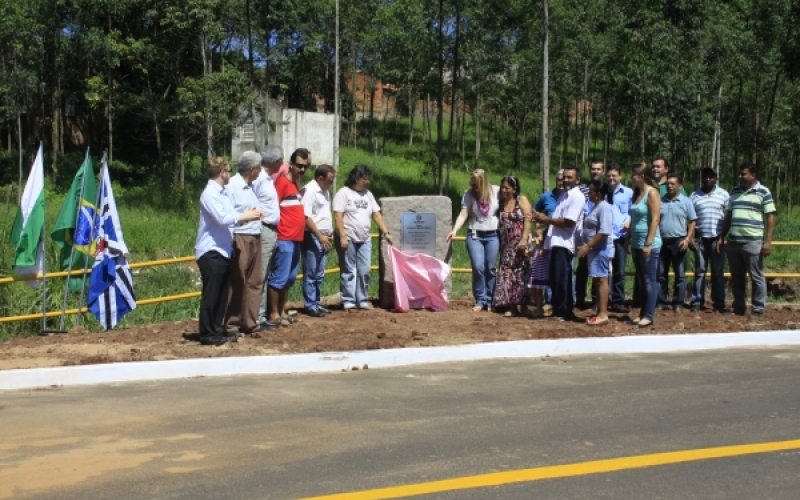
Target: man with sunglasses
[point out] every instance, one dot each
(291, 232)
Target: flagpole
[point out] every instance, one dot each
(44, 284)
(72, 249)
(44, 263)
(91, 231)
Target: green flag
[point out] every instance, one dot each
(73, 228)
(26, 234)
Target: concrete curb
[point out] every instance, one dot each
(337, 361)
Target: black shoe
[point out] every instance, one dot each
(618, 308)
(316, 313)
(695, 309)
(324, 309)
(213, 340)
(583, 305)
(664, 307)
(760, 314)
(734, 313)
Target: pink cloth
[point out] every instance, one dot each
(281, 172)
(418, 281)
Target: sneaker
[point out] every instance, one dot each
(760, 314)
(695, 308)
(366, 306)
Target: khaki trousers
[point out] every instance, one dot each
(246, 284)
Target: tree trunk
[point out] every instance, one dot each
(765, 133)
(545, 158)
(55, 127)
(453, 95)
(205, 53)
(440, 99)
(412, 109)
(477, 122)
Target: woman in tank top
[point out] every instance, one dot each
(645, 240)
(479, 209)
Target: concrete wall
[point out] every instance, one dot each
(289, 128)
(304, 129)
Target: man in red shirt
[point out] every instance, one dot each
(291, 232)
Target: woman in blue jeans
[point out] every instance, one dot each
(479, 207)
(354, 209)
(645, 239)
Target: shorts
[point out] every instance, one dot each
(599, 263)
(285, 264)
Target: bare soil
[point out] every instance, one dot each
(363, 330)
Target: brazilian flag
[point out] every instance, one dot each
(73, 228)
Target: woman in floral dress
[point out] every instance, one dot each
(514, 220)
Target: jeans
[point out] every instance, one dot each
(314, 260)
(483, 247)
(706, 254)
(561, 282)
(617, 279)
(354, 262)
(215, 271)
(285, 263)
(646, 270)
(671, 255)
(746, 258)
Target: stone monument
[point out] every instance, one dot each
(424, 222)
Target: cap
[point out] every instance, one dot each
(708, 171)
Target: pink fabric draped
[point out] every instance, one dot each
(418, 281)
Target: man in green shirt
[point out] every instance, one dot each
(747, 232)
(661, 170)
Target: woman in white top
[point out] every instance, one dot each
(479, 205)
(354, 209)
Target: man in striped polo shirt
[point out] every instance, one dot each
(710, 202)
(747, 233)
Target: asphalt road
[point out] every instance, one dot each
(296, 436)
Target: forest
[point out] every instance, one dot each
(161, 84)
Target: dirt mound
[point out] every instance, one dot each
(353, 331)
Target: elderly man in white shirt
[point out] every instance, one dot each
(264, 187)
(213, 249)
(246, 277)
(316, 200)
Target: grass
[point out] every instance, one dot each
(161, 225)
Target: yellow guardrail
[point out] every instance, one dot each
(190, 295)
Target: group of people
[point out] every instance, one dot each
(255, 225)
(598, 223)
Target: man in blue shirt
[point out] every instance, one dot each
(677, 225)
(213, 249)
(623, 197)
(547, 202)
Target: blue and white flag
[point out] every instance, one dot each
(111, 293)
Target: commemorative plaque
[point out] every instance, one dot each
(419, 233)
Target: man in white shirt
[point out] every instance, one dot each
(213, 249)
(246, 280)
(264, 187)
(560, 242)
(316, 201)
